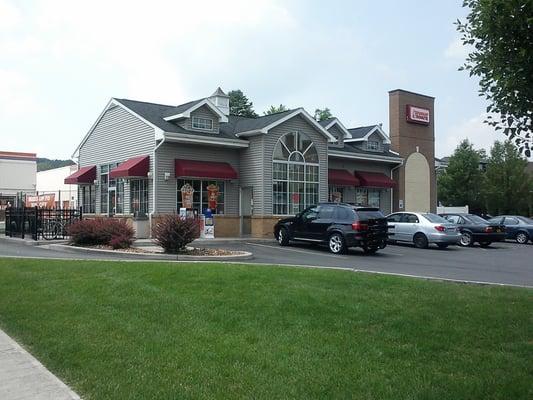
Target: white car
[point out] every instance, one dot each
(422, 229)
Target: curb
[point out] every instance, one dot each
(246, 255)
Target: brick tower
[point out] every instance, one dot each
(412, 134)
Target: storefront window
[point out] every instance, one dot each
(88, 198)
(119, 196)
(368, 197)
(336, 193)
(139, 196)
(200, 195)
(295, 174)
(104, 188)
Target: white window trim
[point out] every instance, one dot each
(195, 117)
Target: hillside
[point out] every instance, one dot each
(44, 164)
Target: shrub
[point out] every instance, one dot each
(101, 231)
(173, 233)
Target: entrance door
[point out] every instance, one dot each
(247, 196)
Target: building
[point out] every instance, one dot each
(17, 176)
(51, 185)
(140, 160)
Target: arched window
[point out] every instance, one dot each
(294, 174)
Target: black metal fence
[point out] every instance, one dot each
(40, 223)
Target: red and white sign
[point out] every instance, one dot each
(43, 201)
(417, 115)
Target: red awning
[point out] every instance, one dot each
(375, 179)
(204, 169)
(136, 166)
(85, 175)
(341, 177)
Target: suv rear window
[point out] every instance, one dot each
(369, 213)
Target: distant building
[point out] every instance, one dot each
(51, 185)
(18, 174)
(442, 163)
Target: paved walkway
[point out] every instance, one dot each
(23, 377)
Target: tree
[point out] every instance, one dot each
(508, 187)
(240, 105)
(321, 115)
(501, 35)
(274, 109)
(461, 183)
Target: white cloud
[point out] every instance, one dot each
(474, 129)
(10, 16)
(16, 94)
(456, 50)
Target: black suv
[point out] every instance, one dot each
(338, 225)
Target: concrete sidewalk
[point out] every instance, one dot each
(23, 377)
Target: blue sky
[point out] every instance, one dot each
(61, 61)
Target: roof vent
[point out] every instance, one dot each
(220, 100)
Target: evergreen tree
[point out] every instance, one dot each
(274, 109)
(508, 187)
(323, 114)
(461, 183)
(240, 105)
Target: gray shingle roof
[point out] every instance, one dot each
(155, 114)
(325, 122)
(352, 148)
(361, 132)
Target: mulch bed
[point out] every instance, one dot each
(189, 251)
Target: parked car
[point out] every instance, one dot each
(517, 228)
(339, 225)
(422, 229)
(475, 229)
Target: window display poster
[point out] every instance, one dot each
(212, 196)
(186, 195)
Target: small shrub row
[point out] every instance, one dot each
(101, 231)
(173, 233)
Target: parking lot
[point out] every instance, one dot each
(503, 263)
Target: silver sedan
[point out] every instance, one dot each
(422, 229)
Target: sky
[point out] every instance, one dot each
(62, 60)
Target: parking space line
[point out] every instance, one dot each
(300, 251)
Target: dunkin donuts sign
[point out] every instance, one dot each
(417, 115)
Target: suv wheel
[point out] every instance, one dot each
(336, 244)
(283, 237)
(521, 238)
(421, 241)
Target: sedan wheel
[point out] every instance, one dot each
(421, 241)
(336, 244)
(466, 239)
(521, 238)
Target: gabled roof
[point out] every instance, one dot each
(328, 123)
(362, 133)
(261, 125)
(185, 110)
(350, 150)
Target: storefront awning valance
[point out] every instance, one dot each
(204, 169)
(85, 175)
(136, 166)
(341, 177)
(375, 179)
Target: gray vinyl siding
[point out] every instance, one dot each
(117, 137)
(375, 137)
(167, 190)
(368, 166)
(335, 131)
(251, 174)
(202, 112)
(269, 141)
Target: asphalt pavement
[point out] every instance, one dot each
(502, 263)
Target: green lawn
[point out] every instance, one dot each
(189, 331)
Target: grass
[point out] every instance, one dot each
(116, 330)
